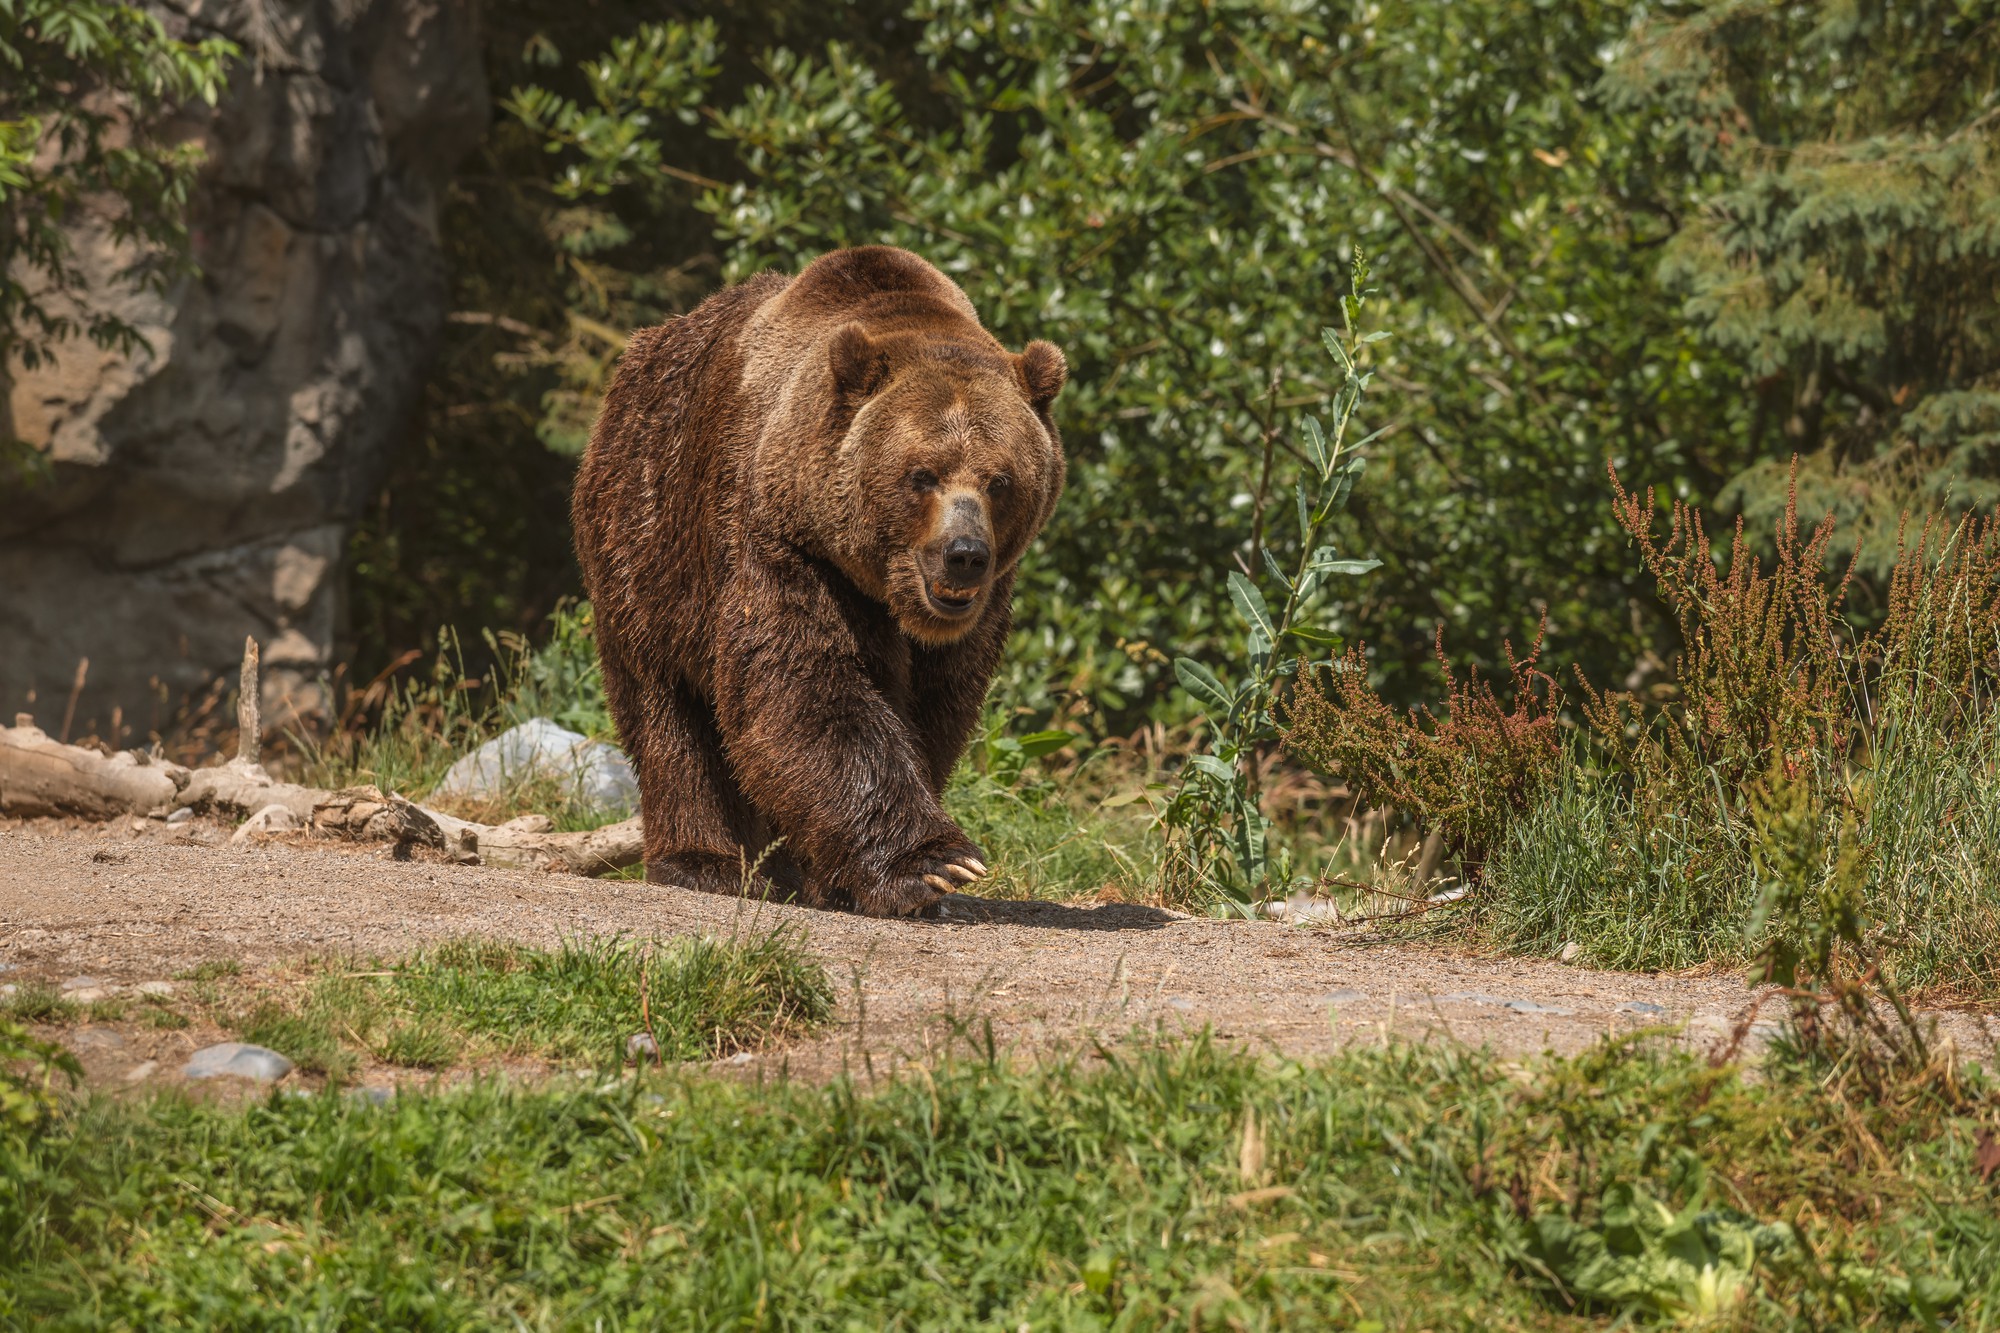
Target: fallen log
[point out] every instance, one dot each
(528, 844)
(42, 776)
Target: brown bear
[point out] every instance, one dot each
(799, 520)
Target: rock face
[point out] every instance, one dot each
(204, 490)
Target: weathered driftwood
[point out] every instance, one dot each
(41, 776)
(238, 789)
(528, 844)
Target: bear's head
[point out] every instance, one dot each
(949, 465)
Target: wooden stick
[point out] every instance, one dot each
(249, 722)
(75, 692)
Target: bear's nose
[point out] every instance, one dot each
(966, 560)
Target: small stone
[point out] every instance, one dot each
(162, 989)
(1570, 952)
(373, 1096)
(97, 1039)
(237, 1060)
(272, 819)
(83, 983)
(182, 815)
(88, 995)
(741, 1058)
(1642, 1007)
(1504, 1002)
(641, 1046)
(1341, 997)
(145, 1069)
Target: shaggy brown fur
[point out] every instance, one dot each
(799, 521)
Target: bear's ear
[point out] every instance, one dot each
(859, 366)
(1043, 372)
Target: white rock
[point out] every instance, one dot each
(83, 983)
(237, 1059)
(1570, 952)
(182, 815)
(145, 1069)
(271, 819)
(600, 775)
(160, 988)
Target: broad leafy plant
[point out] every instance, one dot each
(1224, 843)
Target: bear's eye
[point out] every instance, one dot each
(923, 479)
(1000, 484)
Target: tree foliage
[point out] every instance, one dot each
(1843, 250)
(1691, 239)
(85, 90)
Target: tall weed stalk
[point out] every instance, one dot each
(1219, 836)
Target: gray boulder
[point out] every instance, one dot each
(236, 1059)
(598, 774)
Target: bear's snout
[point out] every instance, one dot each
(966, 560)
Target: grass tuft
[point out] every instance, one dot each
(473, 999)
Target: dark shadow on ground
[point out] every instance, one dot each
(963, 909)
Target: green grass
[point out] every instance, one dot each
(1180, 1186)
(1669, 888)
(472, 999)
(1059, 840)
(39, 1002)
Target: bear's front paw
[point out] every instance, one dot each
(917, 881)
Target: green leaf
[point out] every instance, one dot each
(1350, 566)
(1316, 445)
(1215, 768)
(1305, 512)
(1277, 570)
(1332, 341)
(1202, 683)
(1250, 605)
(1038, 743)
(1310, 634)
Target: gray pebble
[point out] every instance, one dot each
(1518, 1006)
(1641, 1007)
(373, 1096)
(97, 1039)
(1341, 997)
(182, 815)
(159, 988)
(142, 1071)
(83, 983)
(641, 1046)
(238, 1060)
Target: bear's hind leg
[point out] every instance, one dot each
(686, 796)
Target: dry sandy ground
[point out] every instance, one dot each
(112, 904)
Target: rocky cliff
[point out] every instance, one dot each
(203, 490)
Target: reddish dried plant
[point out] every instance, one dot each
(1468, 769)
(1763, 662)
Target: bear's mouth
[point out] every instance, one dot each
(948, 601)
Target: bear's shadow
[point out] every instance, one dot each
(963, 909)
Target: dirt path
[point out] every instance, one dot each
(109, 905)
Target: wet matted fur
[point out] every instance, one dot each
(799, 521)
